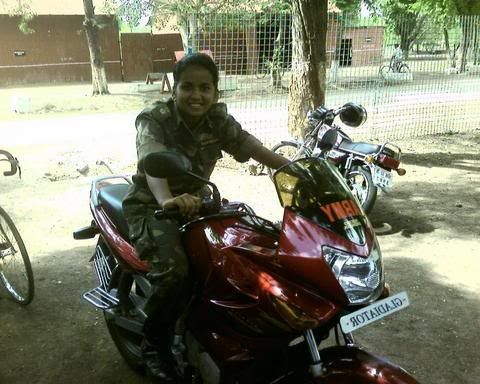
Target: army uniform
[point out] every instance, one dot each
(158, 241)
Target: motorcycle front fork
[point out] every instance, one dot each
(316, 366)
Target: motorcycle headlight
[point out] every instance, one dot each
(361, 278)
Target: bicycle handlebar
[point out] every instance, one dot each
(13, 163)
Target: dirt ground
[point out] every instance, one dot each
(431, 251)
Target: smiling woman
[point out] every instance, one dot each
(194, 124)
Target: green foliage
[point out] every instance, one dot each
(23, 9)
(348, 6)
(162, 10)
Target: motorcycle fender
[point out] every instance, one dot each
(348, 365)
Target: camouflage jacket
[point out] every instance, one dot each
(160, 128)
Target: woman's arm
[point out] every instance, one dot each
(187, 204)
(270, 159)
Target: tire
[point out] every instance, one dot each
(262, 70)
(384, 69)
(16, 273)
(287, 149)
(128, 343)
(360, 181)
(404, 69)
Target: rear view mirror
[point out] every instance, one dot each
(328, 140)
(353, 114)
(166, 164)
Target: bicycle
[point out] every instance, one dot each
(392, 67)
(16, 274)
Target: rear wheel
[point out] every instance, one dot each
(16, 273)
(359, 179)
(404, 68)
(286, 149)
(128, 342)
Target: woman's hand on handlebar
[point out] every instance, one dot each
(187, 205)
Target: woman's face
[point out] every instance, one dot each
(194, 94)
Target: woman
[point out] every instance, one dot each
(193, 123)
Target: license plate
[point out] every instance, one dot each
(382, 178)
(374, 312)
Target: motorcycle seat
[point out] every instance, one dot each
(110, 198)
(365, 148)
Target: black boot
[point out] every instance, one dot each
(156, 364)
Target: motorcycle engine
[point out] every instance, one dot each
(201, 360)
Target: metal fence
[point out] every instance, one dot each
(437, 91)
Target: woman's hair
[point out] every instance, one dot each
(196, 59)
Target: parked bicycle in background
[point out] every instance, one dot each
(16, 274)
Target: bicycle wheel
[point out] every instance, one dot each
(286, 149)
(384, 70)
(262, 70)
(404, 69)
(16, 273)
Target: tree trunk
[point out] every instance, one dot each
(183, 27)
(99, 78)
(465, 21)
(278, 56)
(307, 83)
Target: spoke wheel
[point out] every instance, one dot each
(16, 273)
(262, 70)
(384, 70)
(361, 184)
(404, 69)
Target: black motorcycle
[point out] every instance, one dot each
(365, 166)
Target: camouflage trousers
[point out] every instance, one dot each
(159, 243)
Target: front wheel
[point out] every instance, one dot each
(360, 181)
(16, 273)
(288, 150)
(384, 70)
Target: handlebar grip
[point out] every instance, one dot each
(13, 163)
(168, 213)
(208, 207)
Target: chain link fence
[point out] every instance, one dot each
(429, 85)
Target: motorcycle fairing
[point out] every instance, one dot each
(314, 189)
(300, 251)
(349, 364)
(112, 195)
(247, 283)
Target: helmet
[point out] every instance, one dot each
(353, 114)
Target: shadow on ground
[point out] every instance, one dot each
(462, 161)
(59, 337)
(433, 338)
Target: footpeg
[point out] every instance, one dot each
(100, 298)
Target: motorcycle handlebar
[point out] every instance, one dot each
(208, 207)
(13, 163)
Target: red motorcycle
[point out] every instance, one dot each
(265, 297)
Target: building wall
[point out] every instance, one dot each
(164, 46)
(367, 44)
(56, 52)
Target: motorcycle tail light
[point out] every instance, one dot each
(387, 161)
(361, 278)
